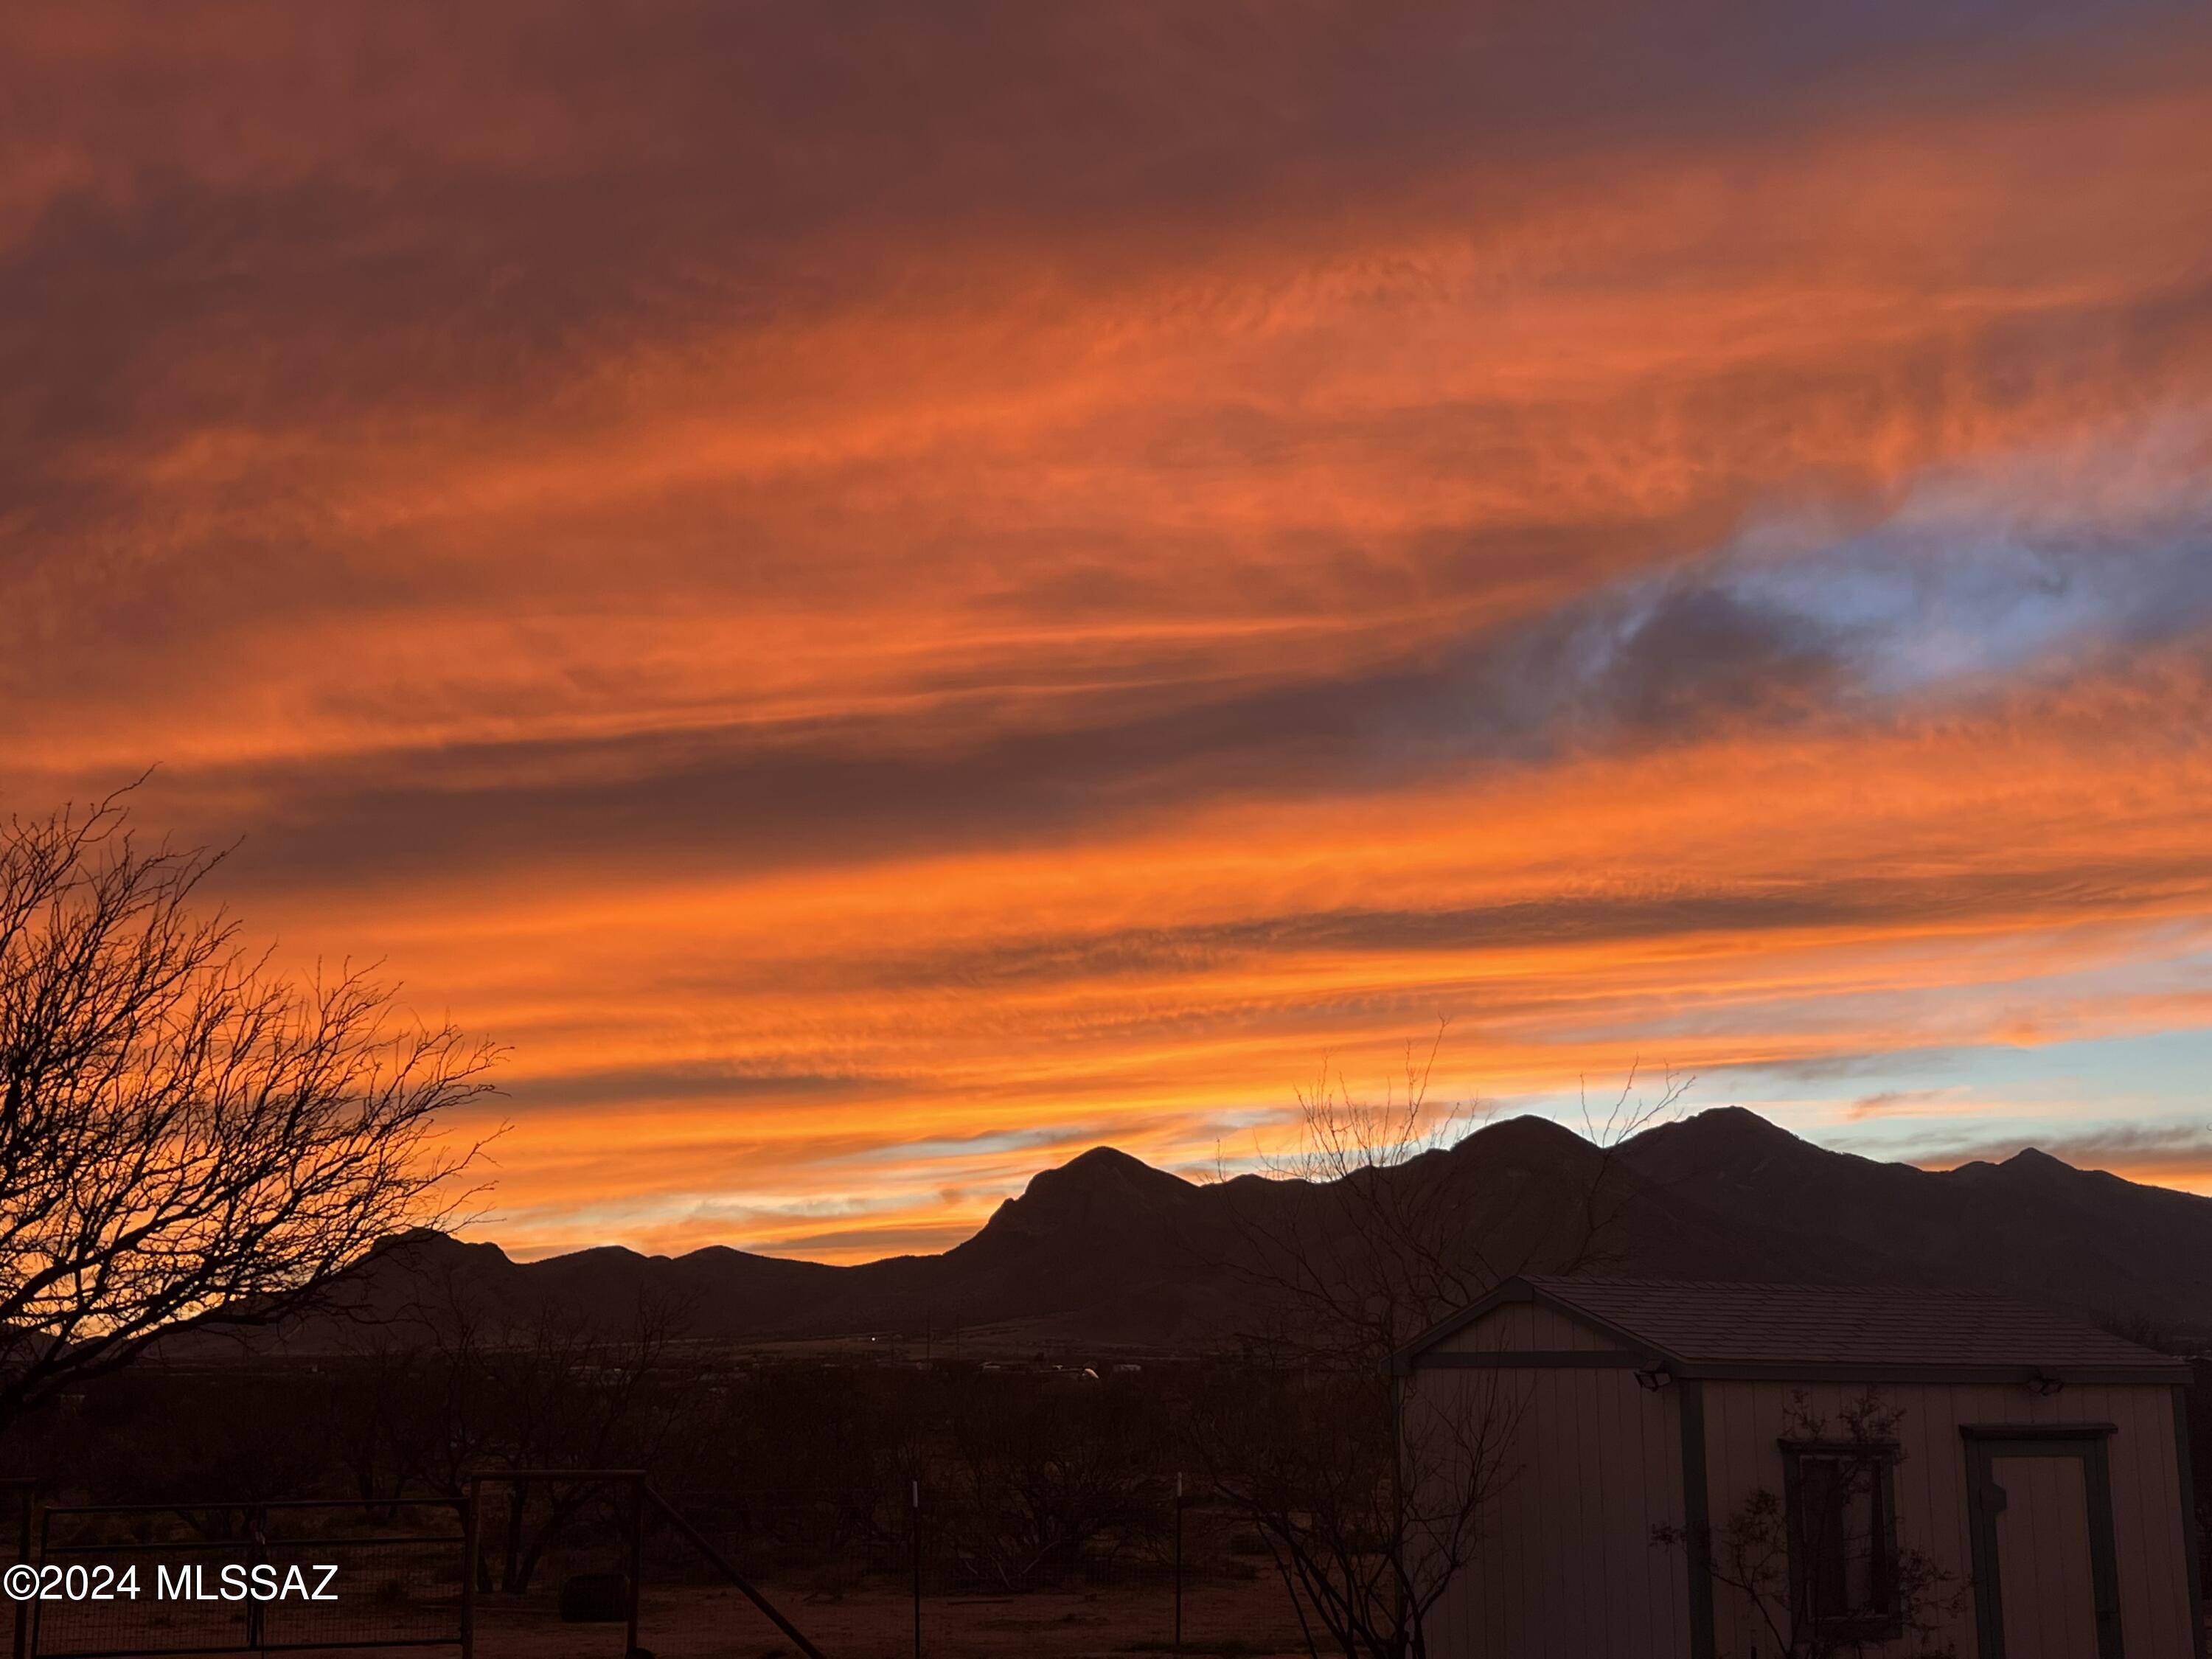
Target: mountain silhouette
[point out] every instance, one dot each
(1108, 1249)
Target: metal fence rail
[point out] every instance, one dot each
(411, 1573)
(398, 1578)
(405, 1572)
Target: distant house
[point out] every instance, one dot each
(1715, 1471)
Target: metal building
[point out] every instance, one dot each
(1724, 1471)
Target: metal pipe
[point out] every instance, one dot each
(698, 1539)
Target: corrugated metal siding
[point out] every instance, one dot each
(1744, 1420)
(1566, 1569)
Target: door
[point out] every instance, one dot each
(2045, 1582)
(2046, 1590)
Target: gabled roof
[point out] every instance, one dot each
(1811, 1331)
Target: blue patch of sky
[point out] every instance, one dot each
(1926, 1103)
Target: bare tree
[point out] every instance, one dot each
(1031, 1480)
(1373, 1244)
(183, 1133)
(1369, 1516)
(1371, 1493)
(1381, 1233)
(1606, 1197)
(561, 1394)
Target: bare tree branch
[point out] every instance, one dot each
(1372, 1490)
(183, 1135)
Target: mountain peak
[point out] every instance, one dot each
(1105, 1172)
(1719, 1131)
(1104, 1161)
(1524, 1133)
(1103, 1190)
(1735, 1122)
(2035, 1163)
(425, 1245)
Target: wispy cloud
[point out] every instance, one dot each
(887, 601)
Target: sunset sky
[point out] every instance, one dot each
(886, 591)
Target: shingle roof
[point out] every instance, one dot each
(1732, 1323)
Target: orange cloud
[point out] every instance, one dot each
(885, 608)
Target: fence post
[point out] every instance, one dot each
(1178, 1562)
(23, 1553)
(46, 1549)
(471, 1547)
(257, 1529)
(917, 1567)
(636, 1559)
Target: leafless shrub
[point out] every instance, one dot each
(1750, 1552)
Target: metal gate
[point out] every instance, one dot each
(149, 1581)
(123, 1581)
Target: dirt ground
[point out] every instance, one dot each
(1250, 1620)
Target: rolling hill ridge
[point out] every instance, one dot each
(1106, 1249)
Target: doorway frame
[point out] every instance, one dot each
(1985, 1444)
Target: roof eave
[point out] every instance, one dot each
(1895, 1372)
(1519, 1289)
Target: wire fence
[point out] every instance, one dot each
(824, 1542)
(145, 1579)
(553, 1546)
(819, 1544)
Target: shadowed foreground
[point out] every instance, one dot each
(1251, 1619)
